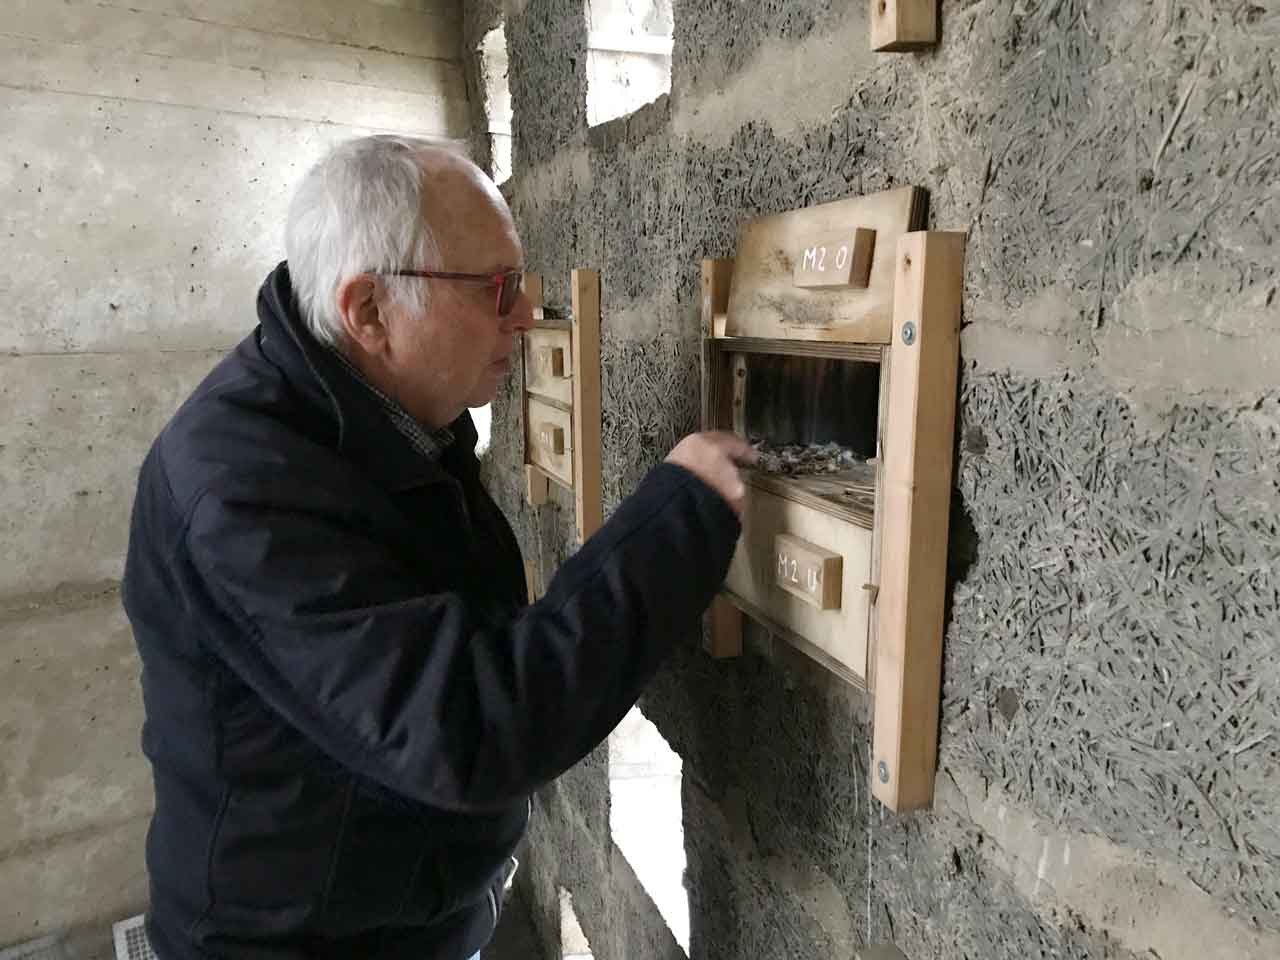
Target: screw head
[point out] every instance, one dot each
(909, 332)
(883, 770)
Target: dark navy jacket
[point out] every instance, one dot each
(348, 698)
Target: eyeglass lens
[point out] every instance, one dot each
(508, 291)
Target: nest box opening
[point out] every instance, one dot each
(814, 421)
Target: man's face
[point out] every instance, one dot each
(458, 353)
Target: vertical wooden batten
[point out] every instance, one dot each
(717, 275)
(586, 402)
(723, 630)
(916, 478)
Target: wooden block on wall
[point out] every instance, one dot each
(717, 276)
(724, 634)
(536, 485)
(808, 571)
(586, 402)
(533, 288)
(916, 499)
(900, 25)
(531, 581)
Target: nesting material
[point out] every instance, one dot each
(796, 460)
(835, 476)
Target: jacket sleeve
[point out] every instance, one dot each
(420, 695)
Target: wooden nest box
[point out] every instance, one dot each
(561, 399)
(834, 345)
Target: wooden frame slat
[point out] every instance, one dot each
(586, 402)
(918, 449)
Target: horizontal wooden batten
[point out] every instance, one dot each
(782, 632)
(797, 491)
(861, 352)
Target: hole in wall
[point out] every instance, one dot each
(628, 56)
(482, 417)
(497, 99)
(573, 942)
(646, 816)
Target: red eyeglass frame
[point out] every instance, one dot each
(508, 283)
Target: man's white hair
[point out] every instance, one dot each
(359, 209)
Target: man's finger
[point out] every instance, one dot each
(738, 450)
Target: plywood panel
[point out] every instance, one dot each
(764, 300)
(840, 634)
(546, 425)
(548, 364)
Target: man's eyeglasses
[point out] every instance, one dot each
(508, 283)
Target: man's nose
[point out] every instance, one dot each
(520, 318)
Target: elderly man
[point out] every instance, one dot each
(349, 698)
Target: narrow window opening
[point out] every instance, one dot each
(482, 417)
(646, 816)
(573, 942)
(628, 56)
(497, 110)
(497, 99)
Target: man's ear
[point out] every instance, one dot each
(365, 326)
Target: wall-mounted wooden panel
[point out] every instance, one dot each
(548, 364)
(840, 634)
(764, 300)
(549, 439)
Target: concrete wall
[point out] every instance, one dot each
(149, 152)
(1110, 727)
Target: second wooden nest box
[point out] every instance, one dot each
(835, 346)
(561, 400)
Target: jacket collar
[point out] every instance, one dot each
(363, 429)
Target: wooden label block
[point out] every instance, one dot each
(836, 260)
(551, 437)
(808, 571)
(551, 361)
